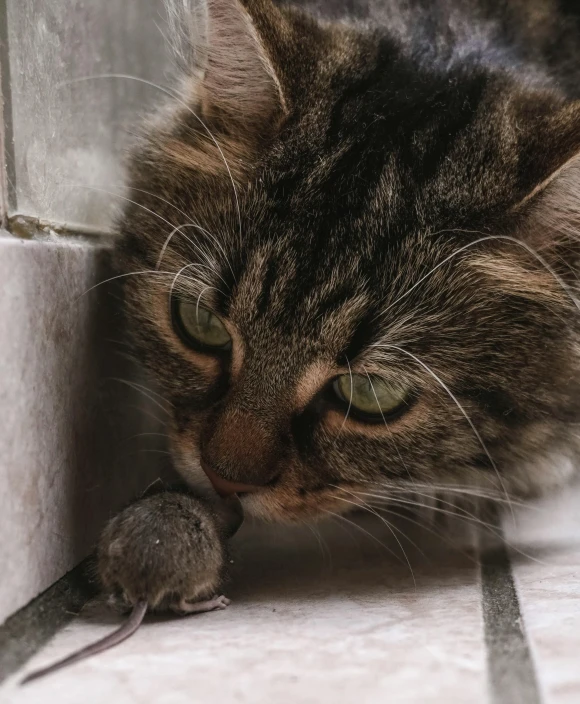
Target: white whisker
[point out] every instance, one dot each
(323, 545)
(142, 387)
(190, 222)
(197, 246)
(118, 195)
(183, 268)
(387, 426)
(175, 231)
(461, 409)
(366, 532)
(428, 528)
(349, 401)
(152, 272)
(466, 516)
(488, 238)
(391, 528)
(181, 102)
(142, 435)
(469, 491)
(145, 392)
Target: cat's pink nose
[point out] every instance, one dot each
(223, 486)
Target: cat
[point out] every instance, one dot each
(351, 258)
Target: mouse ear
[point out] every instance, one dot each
(229, 51)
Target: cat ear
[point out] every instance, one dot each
(228, 49)
(550, 169)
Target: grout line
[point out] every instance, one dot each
(24, 633)
(511, 672)
(7, 155)
(34, 228)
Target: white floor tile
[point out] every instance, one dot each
(337, 622)
(549, 590)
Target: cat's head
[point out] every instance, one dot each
(349, 271)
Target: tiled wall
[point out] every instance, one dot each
(67, 125)
(71, 428)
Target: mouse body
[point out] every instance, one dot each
(167, 549)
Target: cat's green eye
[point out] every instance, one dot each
(371, 395)
(199, 325)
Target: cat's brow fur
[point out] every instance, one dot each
(396, 192)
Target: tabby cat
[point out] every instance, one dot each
(351, 261)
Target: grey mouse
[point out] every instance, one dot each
(167, 551)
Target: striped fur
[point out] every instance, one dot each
(392, 191)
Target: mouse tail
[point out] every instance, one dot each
(122, 633)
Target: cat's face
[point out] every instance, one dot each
(342, 292)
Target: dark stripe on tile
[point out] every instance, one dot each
(511, 672)
(24, 633)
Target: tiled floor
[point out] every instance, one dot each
(549, 590)
(335, 617)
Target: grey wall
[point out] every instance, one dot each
(74, 133)
(77, 438)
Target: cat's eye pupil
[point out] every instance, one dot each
(200, 326)
(371, 395)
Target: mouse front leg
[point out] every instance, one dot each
(168, 549)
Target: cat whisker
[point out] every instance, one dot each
(181, 102)
(456, 512)
(429, 529)
(144, 411)
(219, 245)
(323, 546)
(142, 435)
(487, 238)
(151, 272)
(468, 491)
(195, 265)
(210, 264)
(349, 401)
(143, 388)
(190, 222)
(391, 528)
(461, 409)
(387, 426)
(197, 303)
(179, 230)
(176, 277)
(146, 392)
(363, 530)
(118, 195)
(350, 534)
(492, 528)
(121, 196)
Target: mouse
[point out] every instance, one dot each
(165, 552)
